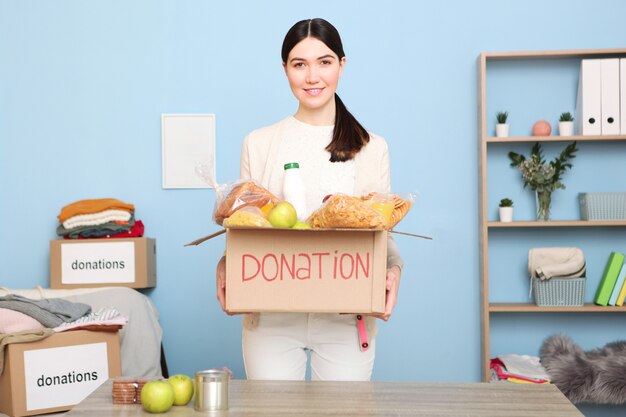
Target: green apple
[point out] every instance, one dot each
(183, 388)
(301, 225)
(157, 396)
(283, 214)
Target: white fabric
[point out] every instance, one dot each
(545, 263)
(103, 317)
(96, 219)
(524, 365)
(276, 348)
(140, 338)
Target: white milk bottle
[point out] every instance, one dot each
(293, 189)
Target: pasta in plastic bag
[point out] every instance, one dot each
(344, 211)
(247, 217)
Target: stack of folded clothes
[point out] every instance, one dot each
(99, 218)
(24, 319)
(520, 369)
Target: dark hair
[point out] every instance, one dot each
(348, 134)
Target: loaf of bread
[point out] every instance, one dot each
(243, 194)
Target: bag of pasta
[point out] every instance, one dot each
(344, 211)
(247, 217)
(391, 206)
(234, 196)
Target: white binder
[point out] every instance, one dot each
(610, 96)
(588, 105)
(622, 87)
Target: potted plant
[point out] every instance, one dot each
(543, 177)
(502, 128)
(566, 124)
(506, 210)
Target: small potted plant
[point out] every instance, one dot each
(502, 128)
(506, 210)
(566, 124)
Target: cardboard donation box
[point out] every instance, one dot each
(306, 270)
(58, 372)
(128, 262)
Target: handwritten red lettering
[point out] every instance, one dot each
(245, 256)
(301, 266)
(304, 272)
(264, 263)
(320, 267)
(342, 263)
(284, 265)
(365, 265)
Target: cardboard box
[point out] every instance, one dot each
(58, 372)
(305, 270)
(80, 263)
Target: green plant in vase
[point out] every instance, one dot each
(543, 177)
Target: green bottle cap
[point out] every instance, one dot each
(292, 165)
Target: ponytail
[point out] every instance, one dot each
(349, 136)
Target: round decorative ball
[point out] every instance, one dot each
(541, 128)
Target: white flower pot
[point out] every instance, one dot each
(502, 130)
(506, 214)
(566, 128)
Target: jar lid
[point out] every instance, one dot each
(212, 375)
(292, 165)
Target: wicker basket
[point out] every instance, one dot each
(556, 292)
(602, 206)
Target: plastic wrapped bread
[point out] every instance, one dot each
(239, 195)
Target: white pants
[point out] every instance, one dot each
(276, 348)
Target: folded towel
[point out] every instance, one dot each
(545, 263)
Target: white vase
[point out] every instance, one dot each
(506, 214)
(566, 128)
(502, 130)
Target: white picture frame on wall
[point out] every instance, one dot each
(188, 143)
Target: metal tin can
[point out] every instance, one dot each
(211, 390)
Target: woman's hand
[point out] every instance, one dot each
(393, 284)
(220, 280)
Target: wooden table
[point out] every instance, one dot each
(362, 399)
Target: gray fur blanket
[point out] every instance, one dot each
(596, 376)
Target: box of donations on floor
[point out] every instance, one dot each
(119, 262)
(305, 270)
(58, 372)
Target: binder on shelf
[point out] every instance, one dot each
(610, 275)
(619, 284)
(621, 296)
(622, 94)
(609, 96)
(589, 101)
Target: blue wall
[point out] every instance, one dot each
(83, 85)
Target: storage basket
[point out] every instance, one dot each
(556, 292)
(602, 206)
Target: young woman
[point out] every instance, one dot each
(336, 155)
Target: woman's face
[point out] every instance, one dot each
(313, 71)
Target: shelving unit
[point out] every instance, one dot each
(484, 142)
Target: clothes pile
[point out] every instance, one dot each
(99, 218)
(519, 369)
(24, 319)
